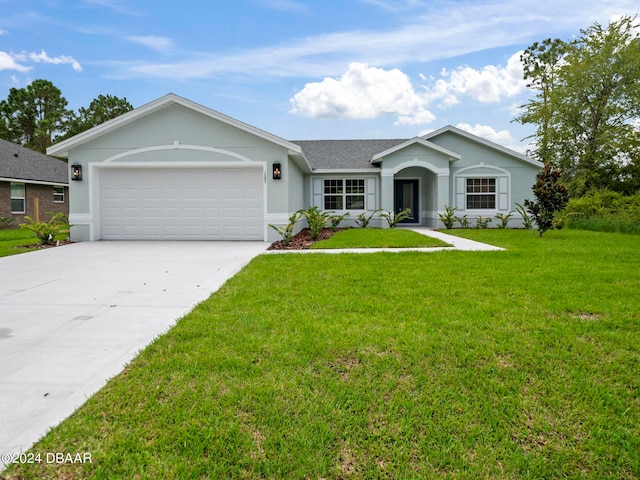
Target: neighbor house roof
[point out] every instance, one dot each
(20, 163)
(344, 154)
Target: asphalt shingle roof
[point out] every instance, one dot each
(344, 153)
(20, 163)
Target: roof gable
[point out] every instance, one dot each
(21, 163)
(62, 148)
(474, 138)
(377, 158)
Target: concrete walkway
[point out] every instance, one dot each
(72, 317)
(456, 242)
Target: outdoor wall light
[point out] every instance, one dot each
(277, 172)
(76, 172)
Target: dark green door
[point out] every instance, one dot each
(406, 196)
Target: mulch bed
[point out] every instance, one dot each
(302, 240)
(41, 246)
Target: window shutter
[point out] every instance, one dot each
(461, 188)
(371, 194)
(317, 193)
(503, 197)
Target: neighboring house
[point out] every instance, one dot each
(28, 180)
(173, 169)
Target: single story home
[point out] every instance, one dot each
(176, 170)
(31, 183)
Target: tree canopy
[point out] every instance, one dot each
(586, 108)
(37, 116)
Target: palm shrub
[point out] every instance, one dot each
(463, 221)
(504, 218)
(448, 217)
(316, 219)
(336, 219)
(47, 231)
(527, 221)
(394, 218)
(363, 219)
(286, 232)
(482, 222)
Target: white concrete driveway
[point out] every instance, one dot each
(73, 316)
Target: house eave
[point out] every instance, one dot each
(346, 170)
(33, 182)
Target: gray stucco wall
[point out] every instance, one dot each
(181, 135)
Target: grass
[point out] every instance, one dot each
(378, 238)
(11, 238)
(458, 365)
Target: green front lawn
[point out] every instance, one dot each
(523, 363)
(11, 239)
(378, 238)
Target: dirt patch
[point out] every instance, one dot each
(303, 240)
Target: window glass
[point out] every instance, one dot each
(481, 193)
(58, 194)
(344, 194)
(17, 198)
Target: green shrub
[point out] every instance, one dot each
(527, 221)
(335, 220)
(316, 219)
(5, 222)
(603, 211)
(394, 218)
(551, 197)
(482, 222)
(47, 231)
(504, 218)
(448, 217)
(363, 219)
(287, 231)
(463, 221)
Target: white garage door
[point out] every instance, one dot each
(181, 204)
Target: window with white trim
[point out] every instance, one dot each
(481, 193)
(58, 194)
(18, 203)
(343, 194)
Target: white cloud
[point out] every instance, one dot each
(283, 5)
(489, 84)
(8, 62)
(160, 44)
(363, 92)
(42, 57)
(501, 137)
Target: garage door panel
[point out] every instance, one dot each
(190, 204)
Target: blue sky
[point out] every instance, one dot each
(320, 69)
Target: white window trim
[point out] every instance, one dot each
(23, 198)
(58, 194)
(503, 188)
(477, 194)
(344, 194)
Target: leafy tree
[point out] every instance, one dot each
(551, 197)
(101, 109)
(34, 116)
(587, 100)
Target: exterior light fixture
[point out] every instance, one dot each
(277, 172)
(76, 172)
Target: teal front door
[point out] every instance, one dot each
(406, 196)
